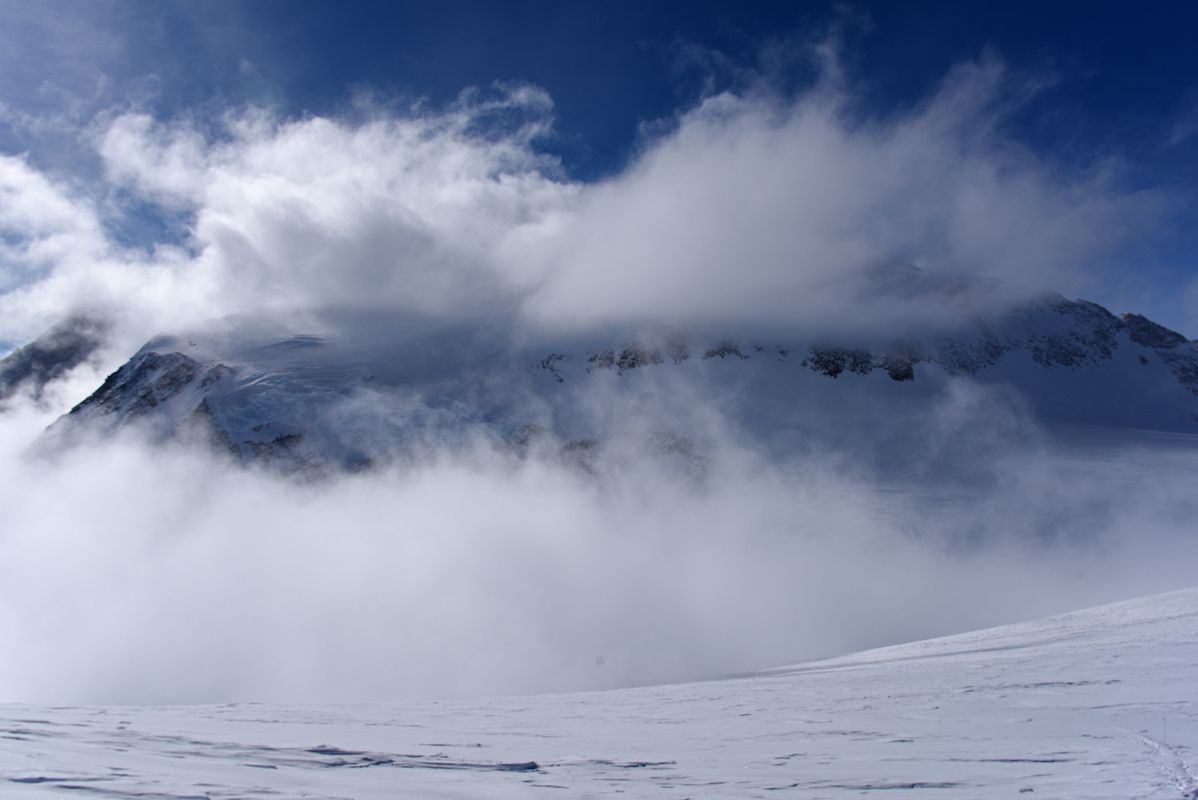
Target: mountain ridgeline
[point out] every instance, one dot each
(30, 369)
(375, 391)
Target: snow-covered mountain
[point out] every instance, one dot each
(358, 389)
(51, 356)
(1094, 704)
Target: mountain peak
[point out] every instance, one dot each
(51, 356)
(310, 395)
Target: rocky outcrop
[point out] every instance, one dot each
(833, 361)
(1144, 331)
(146, 381)
(1054, 332)
(30, 369)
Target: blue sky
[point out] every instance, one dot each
(1085, 85)
(1123, 79)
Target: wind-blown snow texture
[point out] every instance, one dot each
(1094, 704)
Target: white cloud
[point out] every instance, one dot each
(138, 574)
(398, 212)
(56, 257)
(166, 164)
(157, 574)
(750, 209)
(46, 233)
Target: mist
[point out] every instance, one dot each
(137, 570)
(149, 574)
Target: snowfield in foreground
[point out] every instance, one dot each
(1101, 703)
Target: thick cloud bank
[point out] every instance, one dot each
(747, 207)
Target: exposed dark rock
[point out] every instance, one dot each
(677, 454)
(1090, 339)
(285, 444)
(635, 356)
(832, 361)
(288, 454)
(201, 427)
(581, 454)
(899, 360)
(550, 364)
(602, 360)
(523, 438)
(51, 356)
(968, 356)
(216, 375)
(899, 369)
(143, 383)
(723, 350)
(1184, 364)
(1147, 333)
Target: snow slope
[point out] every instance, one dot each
(1095, 704)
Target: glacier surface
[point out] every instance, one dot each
(1094, 704)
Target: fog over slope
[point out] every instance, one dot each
(144, 574)
(139, 567)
